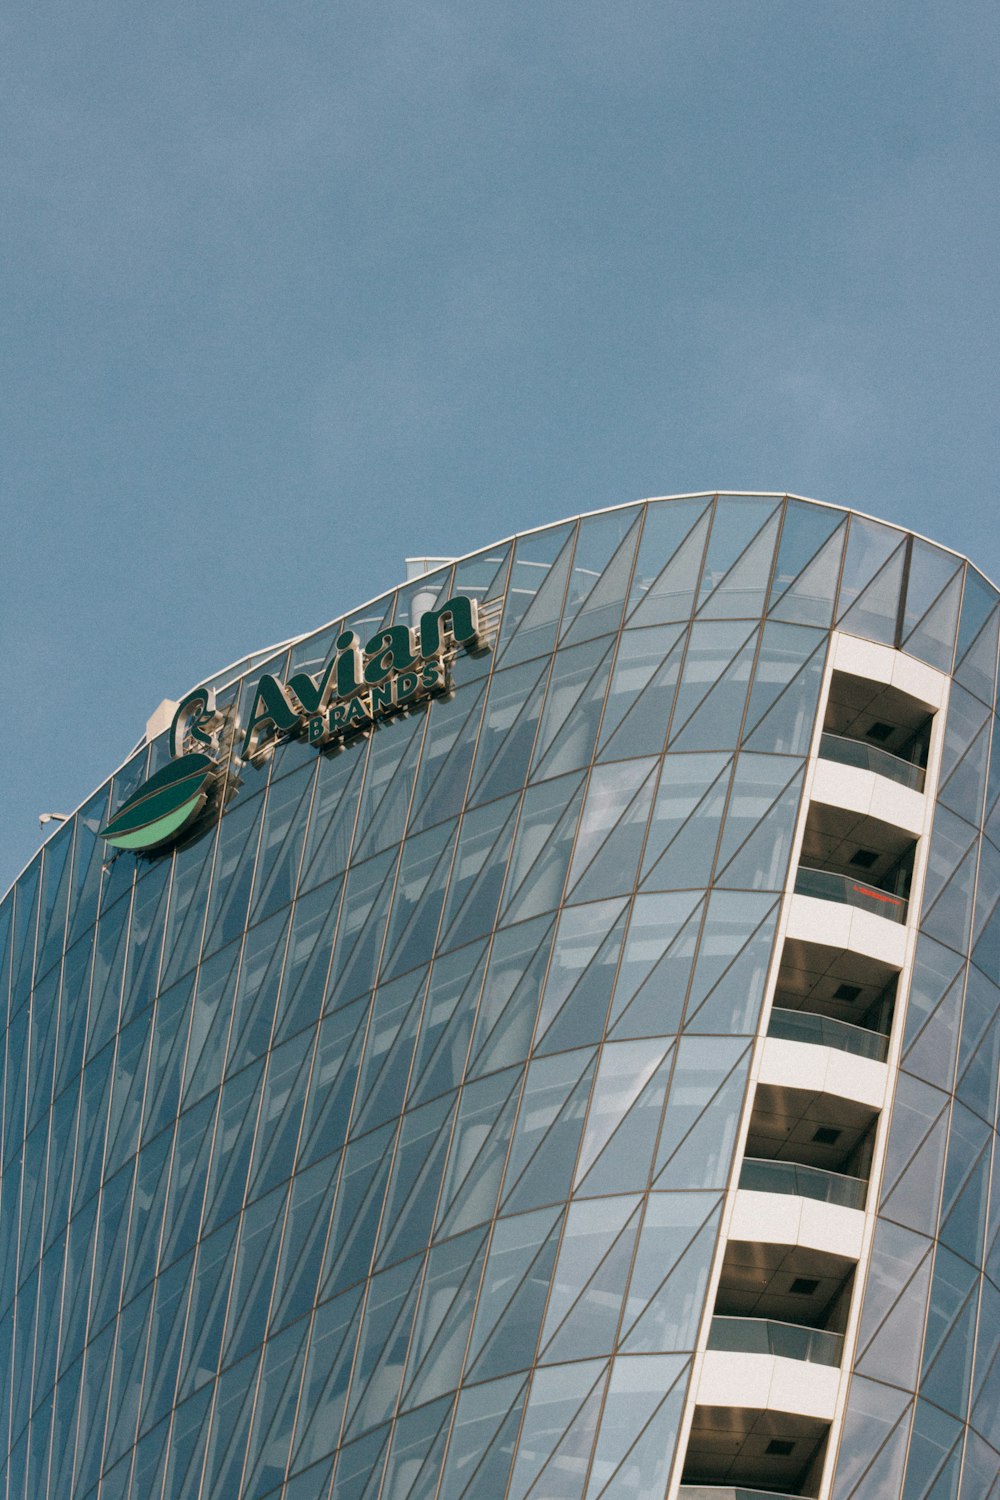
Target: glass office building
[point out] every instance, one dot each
(580, 1082)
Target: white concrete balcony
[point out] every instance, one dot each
(867, 792)
(770, 1382)
(816, 1070)
(806, 1223)
(878, 663)
(826, 922)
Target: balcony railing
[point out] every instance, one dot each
(824, 1031)
(848, 752)
(848, 891)
(729, 1492)
(767, 1336)
(759, 1175)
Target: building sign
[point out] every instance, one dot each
(396, 669)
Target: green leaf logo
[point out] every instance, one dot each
(163, 805)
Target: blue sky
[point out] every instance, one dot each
(292, 290)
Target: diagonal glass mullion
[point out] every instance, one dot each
(912, 625)
(308, 1444)
(615, 721)
(889, 1186)
(44, 1025)
(239, 840)
(484, 575)
(187, 910)
(870, 546)
(660, 1167)
(131, 1356)
(305, 977)
(106, 989)
(255, 1009)
(593, 655)
(585, 1415)
(273, 1406)
(608, 1136)
(229, 1423)
(422, 1481)
(303, 1243)
(166, 1340)
(588, 997)
(753, 567)
(282, 1113)
(54, 899)
(486, 1461)
(559, 833)
(458, 1188)
(569, 1101)
(681, 571)
(442, 790)
(524, 995)
(415, 1181)
(549, 1335)
(318, 863)
(441, 1054)
(26, 899)
(382, 819)
(128, 1095)
(496, 1307)
(628, 1324)
(470, 1277)
(617, 1478)
(965, 787)
(239, 1333)
(725, 856)
(764, 926)
(531, 675)
(454, 914)
(599, 607)
(396, 1056)
(267, 896)
(679, 725)
(534, 631)
(687, 921)
(431, 887)
(928, 1370)
(145, 947)
(333, 1091)
(638, 792)
(874, 612)
(361, 1384)
(375, 877)
(806, 532)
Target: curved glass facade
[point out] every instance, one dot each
(373, 1142)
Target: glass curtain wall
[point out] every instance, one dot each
(373, 1142)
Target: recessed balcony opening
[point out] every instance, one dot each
(811, 1145)
(738, 1453)
(834, 997)
(788, 1284)
(877, 728)
(786, 1300)
(856, 860)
